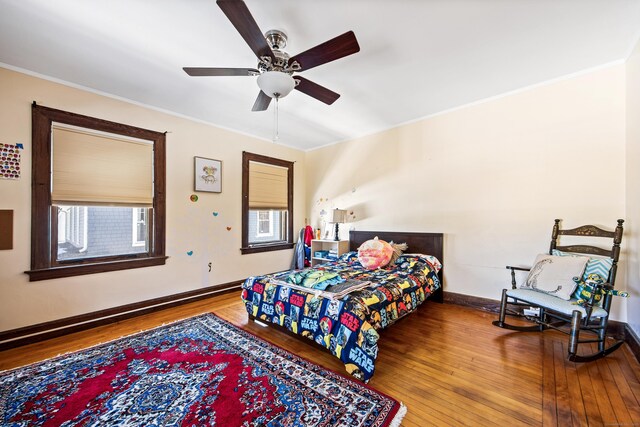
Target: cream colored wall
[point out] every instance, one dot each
(492, 177)
(633, 185)
(190, 226)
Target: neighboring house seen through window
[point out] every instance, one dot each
(139, 227)
(265, 223)
(97, 231)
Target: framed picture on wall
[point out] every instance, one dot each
(208, 175)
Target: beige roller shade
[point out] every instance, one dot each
(268, 186)
(100, 169)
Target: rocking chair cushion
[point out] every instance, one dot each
(551, 302)
(554, 274)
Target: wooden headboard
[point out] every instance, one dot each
(423, 243)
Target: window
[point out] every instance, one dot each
(95, 231)
(267, 226)
(267, 203)
(98, 195)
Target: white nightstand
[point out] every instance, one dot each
(340, 247)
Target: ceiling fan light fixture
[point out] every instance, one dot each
(276, 84)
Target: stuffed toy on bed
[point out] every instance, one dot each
(398, 248)
(374, 253)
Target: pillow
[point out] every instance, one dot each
(374, 253)
(554, 274)
(596, 265)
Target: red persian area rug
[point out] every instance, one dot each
(195, 372)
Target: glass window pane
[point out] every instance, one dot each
(267, 226)
(97, 231)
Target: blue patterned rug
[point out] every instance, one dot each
(195, 372)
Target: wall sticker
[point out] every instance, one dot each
(10, 161)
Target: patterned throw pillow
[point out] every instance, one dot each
(554, 275)
(374, 253)
(596, 265)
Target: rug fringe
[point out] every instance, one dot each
(395, 422)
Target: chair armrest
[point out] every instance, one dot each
(607, 286)
(513, 269)
(519, 268)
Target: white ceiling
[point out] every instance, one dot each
(417, 57)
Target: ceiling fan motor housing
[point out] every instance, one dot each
(280, 62)
(277, 39)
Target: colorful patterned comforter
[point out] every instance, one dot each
(347, 327)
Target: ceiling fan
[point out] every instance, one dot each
(275, 66)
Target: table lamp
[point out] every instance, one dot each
(337, 216)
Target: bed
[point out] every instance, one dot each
(349, 326)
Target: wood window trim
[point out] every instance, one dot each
(43, 264)
(266, 247)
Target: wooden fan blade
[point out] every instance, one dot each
(336, 48)
(241, 18)
(316, 91)
(204, 71)
(262, 102)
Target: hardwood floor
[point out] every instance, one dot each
(447, 363)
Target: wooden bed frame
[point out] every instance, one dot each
(418, 243)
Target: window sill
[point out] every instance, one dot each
(102, 267)
(266, 248)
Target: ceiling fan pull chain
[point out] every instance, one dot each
(276, 135)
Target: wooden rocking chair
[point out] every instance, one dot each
(573, 317)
